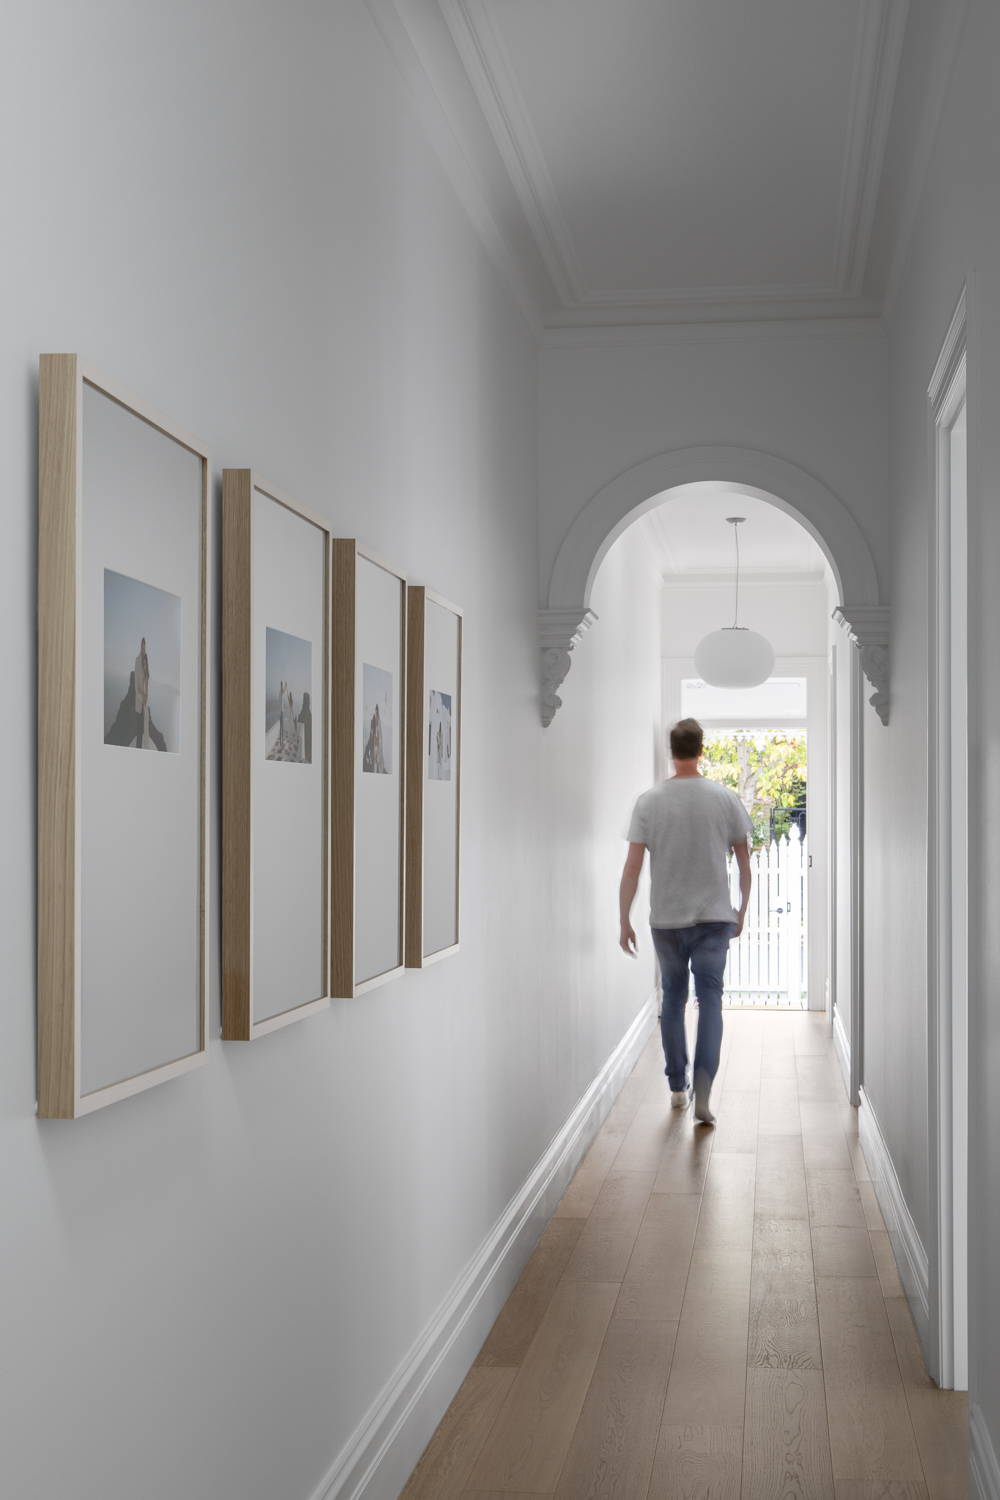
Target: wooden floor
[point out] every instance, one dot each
(711, 1313)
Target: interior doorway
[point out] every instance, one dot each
(948, 866)
(766, 764)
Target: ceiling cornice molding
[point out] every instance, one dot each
(879, 49)
(833, 309)
(664, 335)
(873, 91)
(920, 158)
(492, 77)
(445, 137)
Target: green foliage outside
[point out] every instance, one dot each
(768, 773)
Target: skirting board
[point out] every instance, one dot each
(984, 1467)
(842, 1047)
(380, 1454)
(907, 1246)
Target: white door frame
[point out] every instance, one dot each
(948, 873)
(817, 730)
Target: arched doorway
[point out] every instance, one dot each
(861, 609)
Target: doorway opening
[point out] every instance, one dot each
(948, 866)
(764, 760)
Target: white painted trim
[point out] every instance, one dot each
(947, 889)
(856, 855)
(746, 471)
(873, 92)
(493, 77)
(922, 152)
(984, 1467)
(564, 333)
(382, 1451)
(907, 1247)
(445, 136)
(842, 1048)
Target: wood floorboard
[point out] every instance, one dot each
(781, 1178)
(603, 1251)
(786, 1444)
(940, 1418)
(615, 1439)
(531, 1437)
(871, 1435)
(711, 1314)
(834, 1199)
(697, 1463)
(447, 1462)
(658, 1269)
(514, 1329)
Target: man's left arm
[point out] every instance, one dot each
(626, 896)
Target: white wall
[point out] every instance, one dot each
(957, 232)
(231, 210)
(811, 395)
(599, 753)
(794, 616)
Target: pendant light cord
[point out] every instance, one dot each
(736, 612)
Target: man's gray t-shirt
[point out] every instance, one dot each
(689, 824)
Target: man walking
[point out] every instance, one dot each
(689, 824)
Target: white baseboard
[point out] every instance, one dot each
(842, 1047)
(377, 1459)
(984, 1467)
(907, 1246)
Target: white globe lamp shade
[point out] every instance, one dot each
(734, 658)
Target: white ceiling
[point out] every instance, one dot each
(689, 538)
(670, 160)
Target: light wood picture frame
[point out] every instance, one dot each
(275, 759)
(123, 546)
(434, 777)
(368, 778)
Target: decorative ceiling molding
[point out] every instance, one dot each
(873, 90)
(445, 135)
(558, 632)
(660, 334)
(868, 627)
(491, 73)
(926, 134)
(492, 77)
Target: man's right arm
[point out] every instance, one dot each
(742, 851)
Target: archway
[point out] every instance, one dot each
(567, 613)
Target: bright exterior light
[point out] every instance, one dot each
(734, 657)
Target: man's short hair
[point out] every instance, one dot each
(686, 740)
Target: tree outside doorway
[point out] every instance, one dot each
(767, 769)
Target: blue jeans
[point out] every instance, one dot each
(705, 948)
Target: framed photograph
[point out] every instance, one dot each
(368, 750)
(275, 759)
(434, 776)
(122, 667)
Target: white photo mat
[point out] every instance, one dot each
(378, 830)
(289, 899)
(441, 776)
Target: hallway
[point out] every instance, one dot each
(710, 1313)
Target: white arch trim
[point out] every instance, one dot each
(748, 471)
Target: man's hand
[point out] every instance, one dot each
(740, 919)
(626, 895)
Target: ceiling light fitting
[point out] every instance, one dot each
(734, 657)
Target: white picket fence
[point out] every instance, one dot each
(769, 962)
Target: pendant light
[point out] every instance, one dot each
(734, 657)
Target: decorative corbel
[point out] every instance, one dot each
(868, 627)
(558, 632)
